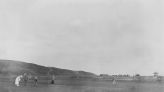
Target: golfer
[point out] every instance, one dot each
(53, 79)
(35, 80)
(114, 81)
(25, 79)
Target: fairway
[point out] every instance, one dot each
(86, 86)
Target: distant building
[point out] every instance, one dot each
(117, 77)
(155, 74)
(104, 76)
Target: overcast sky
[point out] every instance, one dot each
(99, 36)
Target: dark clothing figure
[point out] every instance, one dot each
(53, 79)
(52, 82)
(35, 80)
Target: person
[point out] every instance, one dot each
(35, 80)
(53, 79)
(114, 81)
(25, 79)
(18, 79)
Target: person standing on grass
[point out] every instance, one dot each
(35, 80)
(114, 81)
(53, 79)
(25, 79)
(17, 80)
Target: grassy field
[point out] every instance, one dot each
(84, 86)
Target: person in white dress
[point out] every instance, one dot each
(17, 80)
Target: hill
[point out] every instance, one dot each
(17, 67)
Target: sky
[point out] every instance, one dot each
(99, 36)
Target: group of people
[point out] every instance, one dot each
(25, 78)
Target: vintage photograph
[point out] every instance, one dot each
(81, 45)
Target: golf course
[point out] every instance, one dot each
(77, 85)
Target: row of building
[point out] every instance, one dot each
(127, 77)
